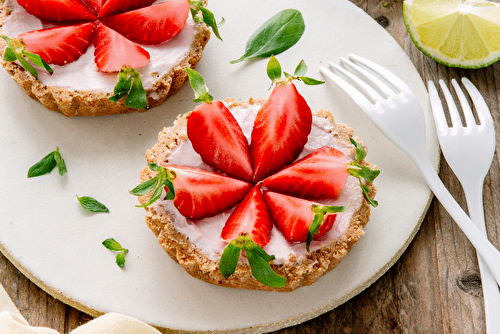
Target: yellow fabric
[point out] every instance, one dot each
(12, 322)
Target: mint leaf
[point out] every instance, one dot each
(276, 35)
(91, 204)
(199, 87)
(301, 69)
(145, 187)
(320, 211)
(310, 81)
(274, 69)
(207, 16)
(115, 246)
(16, 50)
(130, 85)
(257, 258)
(47, 164)
(163, 179)
(362, 172)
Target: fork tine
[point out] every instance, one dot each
(382, 72)
(355, 94)
(466, 109)
(437, 109)
(363, 86)
(369, 77)
(482, 109)
(452, 108)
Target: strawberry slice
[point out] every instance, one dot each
(113, 51)
(199, 193)
(60, 45)
(252, 217)
(151, 25)
(58, 11)
(112, 7)
(301, 220)
(321, 174)
(280, 130)
(94, 5)
(217, 137)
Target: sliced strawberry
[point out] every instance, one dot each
(94, 5)
(60, 45)
(217, 137)
(112, 7)
(58, 11)
(112, 51)
(200, 194)
(280, 130)
(293, 216)
(252, 217)
(321, 174)
(153, 24)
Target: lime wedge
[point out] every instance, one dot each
(458, 33)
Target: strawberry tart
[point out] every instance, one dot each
(261, 194)
(100, 57)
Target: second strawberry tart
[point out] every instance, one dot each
(260, 194)
(69, 55)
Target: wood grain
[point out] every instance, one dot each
(435, 287)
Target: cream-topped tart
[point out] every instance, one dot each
(99, 44)
(219, 219)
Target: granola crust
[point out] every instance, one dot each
(298, 272)
(95, 103)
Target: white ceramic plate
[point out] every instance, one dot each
(45, 233)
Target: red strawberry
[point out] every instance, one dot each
(321, 174)
(280, 130)
(112, 51)
(217, 137)
(60, 45)
(294, 216)
(58, 10)
(94, 5)
(251, 216)
(200, 194)
(112, 7)
(151, 25)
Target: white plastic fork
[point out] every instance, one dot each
(469, 151)
(399, 116)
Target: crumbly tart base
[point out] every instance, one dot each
(298, 271)
(95, 103)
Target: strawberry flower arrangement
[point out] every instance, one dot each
(117, 29)
(262, 181)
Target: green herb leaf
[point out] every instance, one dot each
(274, 69)
(145, 187)
(91, 204)
(47, 164)
(207, 16)
(130, 85)
(310, 81)
(263, 272)
(301, 69)
(276, 35)
(320, 211)
(199, 87)
(16, 50)
(257, 258)
(362, 172)
(163, 179)
(115, 246)
(229, 260)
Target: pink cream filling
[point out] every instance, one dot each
(205, 233)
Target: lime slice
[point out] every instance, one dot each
(458, 33)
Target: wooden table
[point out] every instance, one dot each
(435, 287)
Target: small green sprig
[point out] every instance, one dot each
(257, 258)
(115, 246)
(274, 73)
(16, 50)
(47, 164)
(206, 16)
(320, 211)
(130, 85)
(199, 87)
(364, 172)
(156, 184)
(91, 204)
(279, 33)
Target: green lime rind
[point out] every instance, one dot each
(441, 58)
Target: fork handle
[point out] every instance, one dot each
(488, 252)
(491, 293)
